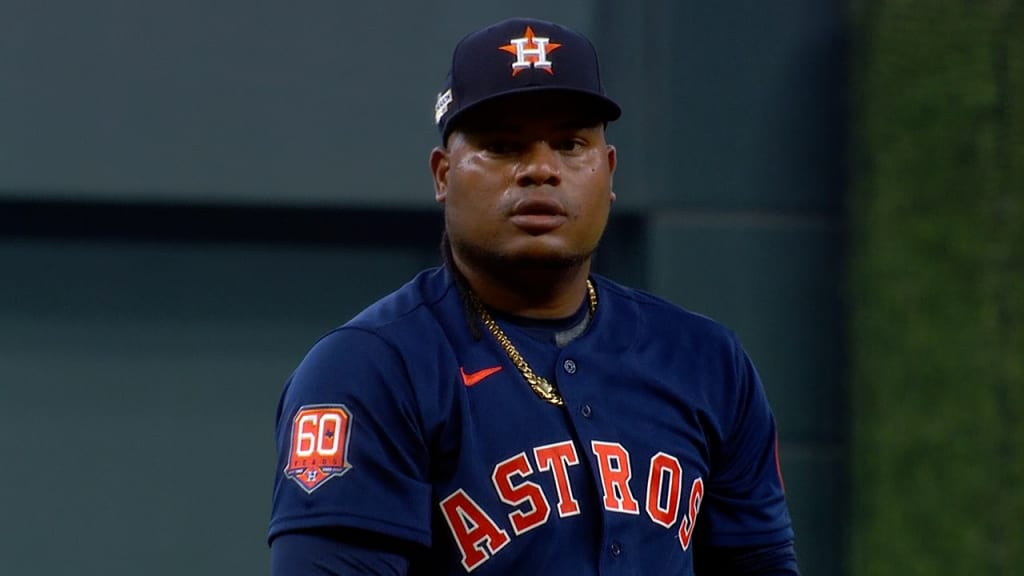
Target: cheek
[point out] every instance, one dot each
(599, 182)
(598, 201)
(475, 185)
(475, 194)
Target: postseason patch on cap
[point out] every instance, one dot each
(319, 446)
(444, 100)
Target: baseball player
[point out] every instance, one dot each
(511, 412)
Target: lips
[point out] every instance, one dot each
(538, 215)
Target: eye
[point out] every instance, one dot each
(569, 145)
(499, 147)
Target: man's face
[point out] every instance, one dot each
(527, 180)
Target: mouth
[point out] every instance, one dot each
(538, 215)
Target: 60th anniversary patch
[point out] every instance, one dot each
(320, 435)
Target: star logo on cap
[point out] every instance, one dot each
(531, 51)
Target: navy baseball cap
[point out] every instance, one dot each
(516, 56)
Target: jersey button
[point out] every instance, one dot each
(615, 549)
(569, 366)
(585, 411)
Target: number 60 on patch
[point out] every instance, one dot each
(319, 445)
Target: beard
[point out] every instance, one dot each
(499, 263)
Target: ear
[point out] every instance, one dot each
(439, 169)
(612, 159)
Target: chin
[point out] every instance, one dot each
(541, 255)
(552, 261)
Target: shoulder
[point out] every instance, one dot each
(395, 354)
(402, 333)
(423, 304)
(651, 315)
(412, 303)
(648, 335)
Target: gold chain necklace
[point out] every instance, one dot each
(546, 390)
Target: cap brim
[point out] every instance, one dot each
(598, 106)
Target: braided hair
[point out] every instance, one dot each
(469, 299)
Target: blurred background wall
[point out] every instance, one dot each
(191, 192)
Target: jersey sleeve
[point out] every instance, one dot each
(744, 504)
(332, 552)
(350, 448)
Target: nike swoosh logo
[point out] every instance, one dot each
(475, 377)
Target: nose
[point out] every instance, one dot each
(540, 165)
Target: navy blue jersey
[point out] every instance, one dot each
(402, 423)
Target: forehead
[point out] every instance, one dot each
(535, 110)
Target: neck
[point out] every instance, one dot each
(528, 291)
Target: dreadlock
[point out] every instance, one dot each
(462, 285)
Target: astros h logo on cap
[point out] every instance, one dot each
(531, 52)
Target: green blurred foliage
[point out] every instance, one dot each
(936, 286)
